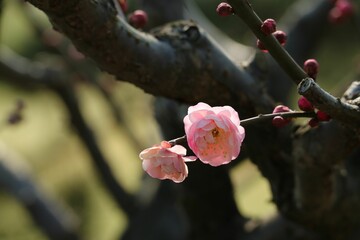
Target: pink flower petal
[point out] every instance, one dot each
(166, 162)
(199, 106)
(214, 135)
(180, 150)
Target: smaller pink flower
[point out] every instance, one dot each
(166, 162)
(214, 134)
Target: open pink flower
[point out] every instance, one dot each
(214, 133)
(166, 162)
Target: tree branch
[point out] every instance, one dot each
(323, 190)
(305, 23)
(179, 60)
(163, 11)
(344, 112)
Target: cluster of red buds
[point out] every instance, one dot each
(306, 106)
(311, 67)
(342, 9)
(268, 27)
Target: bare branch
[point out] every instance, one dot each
(344, 112)
(305, 23)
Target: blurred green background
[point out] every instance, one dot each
(60, 165)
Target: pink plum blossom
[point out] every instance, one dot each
(214, 134)
(166, 162)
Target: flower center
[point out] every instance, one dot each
(215, 132)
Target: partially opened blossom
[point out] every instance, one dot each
(166, 162)
(214, 134)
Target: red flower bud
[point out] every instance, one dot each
(305, 105)
(261, 46)
(268, 26)
(311, 67)
(123, 5)
(279, 121)
(281, 108)
(314, 122)
(281, 37)
(138, 19)
(224, 9)
(322, 116)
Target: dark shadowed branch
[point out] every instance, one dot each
(179, 60)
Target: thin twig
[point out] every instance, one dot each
(344, 112)
(257, 119)
(244, 10)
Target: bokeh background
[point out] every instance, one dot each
(49, 149)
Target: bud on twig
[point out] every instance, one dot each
(314, 122)
(305, 105)
(138, 19)
(279, 121)
(311, 67)
(261, 46)
(281, 37)
(224, 9)
(322, 116)
(269, 26)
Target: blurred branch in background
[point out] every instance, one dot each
(23, 72)
(57, 223)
